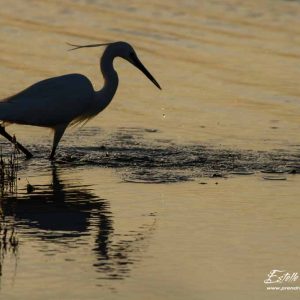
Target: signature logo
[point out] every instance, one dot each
(280, 276)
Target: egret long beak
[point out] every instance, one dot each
(137, 63)
(133, 59)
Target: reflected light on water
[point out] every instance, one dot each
(71, 216)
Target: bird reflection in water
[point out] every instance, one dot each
(65, 213)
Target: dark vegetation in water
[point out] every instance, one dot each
(8, 185)
(8, 240)
(8, 172)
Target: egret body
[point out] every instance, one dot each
(69, 99)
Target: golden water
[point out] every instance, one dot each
(229, 72)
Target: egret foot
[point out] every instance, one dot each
(14, 141)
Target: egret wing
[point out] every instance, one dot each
(50, 102)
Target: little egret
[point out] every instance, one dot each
(69, 99)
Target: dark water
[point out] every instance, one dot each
(139, 157)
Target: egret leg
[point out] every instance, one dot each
(14, 141)
(58, 133)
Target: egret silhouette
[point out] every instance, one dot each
(69, 99)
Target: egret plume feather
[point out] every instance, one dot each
(75, 47)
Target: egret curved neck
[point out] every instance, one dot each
(111, 80)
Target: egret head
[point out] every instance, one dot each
(126, 51)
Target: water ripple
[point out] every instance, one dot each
(138, 157)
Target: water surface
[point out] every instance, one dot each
(192, 192)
